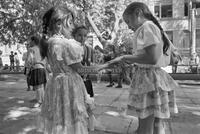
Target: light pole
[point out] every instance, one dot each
(192, 28)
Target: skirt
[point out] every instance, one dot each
(37, 77)
(152, 92)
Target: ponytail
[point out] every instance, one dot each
(45, 25)
(165, 39)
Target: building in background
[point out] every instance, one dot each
(176, 19)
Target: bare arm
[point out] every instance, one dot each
(150, 56)
(78, 67)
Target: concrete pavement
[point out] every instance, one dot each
(17, 116)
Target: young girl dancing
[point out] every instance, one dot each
(64, 107)
(152, 95)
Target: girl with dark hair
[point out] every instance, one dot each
(64, 110)
(37, 73)
(152, 95)
(80, 35)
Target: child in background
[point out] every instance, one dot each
(152, 92)
(80, 35)
(12, 61)
(17, 62)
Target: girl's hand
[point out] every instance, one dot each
(103, 66)
(116, 60)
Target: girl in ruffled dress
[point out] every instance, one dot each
(152, 92)
(64, 110)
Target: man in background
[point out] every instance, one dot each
(12, 61)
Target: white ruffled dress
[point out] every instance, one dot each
(152, 89)
(64, 110)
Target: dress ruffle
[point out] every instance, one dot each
(152, 92)
(64, 110)
(148, 78)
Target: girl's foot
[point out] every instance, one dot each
(110, 85)
(118, 86)
(37, 105)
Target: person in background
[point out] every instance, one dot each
(26, 67)
(12, 61)
(109, 55)
(37, 73)
(80, 35)
(122, 51)
(17, 62)
(98, 59)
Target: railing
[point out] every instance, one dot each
(186, 69)
(192, 72)
(12, 70)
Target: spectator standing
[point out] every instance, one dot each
(37, 71)
(17, 62)
(26, 67)
(12, 61)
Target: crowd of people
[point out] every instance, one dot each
(58, 66)
(14, 62)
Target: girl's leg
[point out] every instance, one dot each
(146, 125)
(28, 85)
(39, 94)
(159, 126)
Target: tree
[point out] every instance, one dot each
(22, 18)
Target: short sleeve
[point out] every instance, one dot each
(148, 35)
(72, 52)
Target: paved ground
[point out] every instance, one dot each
(17, 116)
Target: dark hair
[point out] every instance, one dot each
(53, 15)
(35, 39)
(76, 30)
(147, 14)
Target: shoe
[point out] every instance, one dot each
(33, 101)
(110, 85)
(118, 86)
(37, 105)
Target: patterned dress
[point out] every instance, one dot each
(152, 90)
(64, 109)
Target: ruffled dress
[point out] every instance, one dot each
(152, 89)
(64, 110)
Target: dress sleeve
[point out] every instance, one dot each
(149, 35)
(72, 52)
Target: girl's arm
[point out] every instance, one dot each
(150, 56)
(78, 67)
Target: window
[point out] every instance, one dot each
(166, 11)
(157, 11)
(194, 5)
(163, 11)
(186, 10)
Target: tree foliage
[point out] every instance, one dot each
(22, 18)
